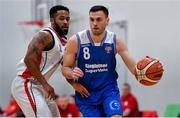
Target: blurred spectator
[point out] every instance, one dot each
(129, 102)
(67, 109)
(72, 101)
(12, 109)
(148, 113)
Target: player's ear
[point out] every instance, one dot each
(52, 21)
(107, 21)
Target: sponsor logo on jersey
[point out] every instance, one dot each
(108, 49)
(95, 68)
(115, 105)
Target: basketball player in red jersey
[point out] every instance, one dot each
(44, 54)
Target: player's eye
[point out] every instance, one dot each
(99, 19)
(91, 19)
(61, 18)
(68, 18)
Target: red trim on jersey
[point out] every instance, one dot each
(29, 96)
(27, 73)
(63, 42)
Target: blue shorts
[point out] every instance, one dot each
(109, 104)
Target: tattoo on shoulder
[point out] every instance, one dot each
(35, 49)
(42, 37)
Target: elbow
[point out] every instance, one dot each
(28, 60)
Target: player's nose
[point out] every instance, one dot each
(65, 21)
(94, 23)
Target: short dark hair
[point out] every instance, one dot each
(127, 85)
(99, 8)
(56, 8)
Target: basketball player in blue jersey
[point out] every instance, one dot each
(90, 66)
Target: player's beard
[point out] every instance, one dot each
(60, 31)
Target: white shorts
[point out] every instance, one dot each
(32, 99)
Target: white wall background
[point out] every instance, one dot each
(12, 42)
(153, 29)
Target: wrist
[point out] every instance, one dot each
(74, 84)
(71, 75)
(43, 82)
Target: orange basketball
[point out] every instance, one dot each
(149, 71)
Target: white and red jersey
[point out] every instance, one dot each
(49, 60)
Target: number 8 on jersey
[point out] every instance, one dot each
(86, 53)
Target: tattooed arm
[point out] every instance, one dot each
(39, 42)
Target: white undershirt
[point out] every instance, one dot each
(97, 44)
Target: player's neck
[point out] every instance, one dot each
(97, 38)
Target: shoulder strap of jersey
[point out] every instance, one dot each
(79, 43)
(114, 40)
(62, 40)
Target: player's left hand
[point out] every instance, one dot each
(77, 73)
(81, 89)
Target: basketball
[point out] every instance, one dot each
(149, 71)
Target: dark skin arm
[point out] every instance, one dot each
(39, 42)
(79, 88)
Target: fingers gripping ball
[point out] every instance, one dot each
(149, 71)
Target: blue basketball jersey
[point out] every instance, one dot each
(97, 62)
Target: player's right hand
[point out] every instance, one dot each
(77, 73)
(50, 91)
(81, 89)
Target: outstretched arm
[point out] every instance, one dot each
(122, 50)
(79, 88)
